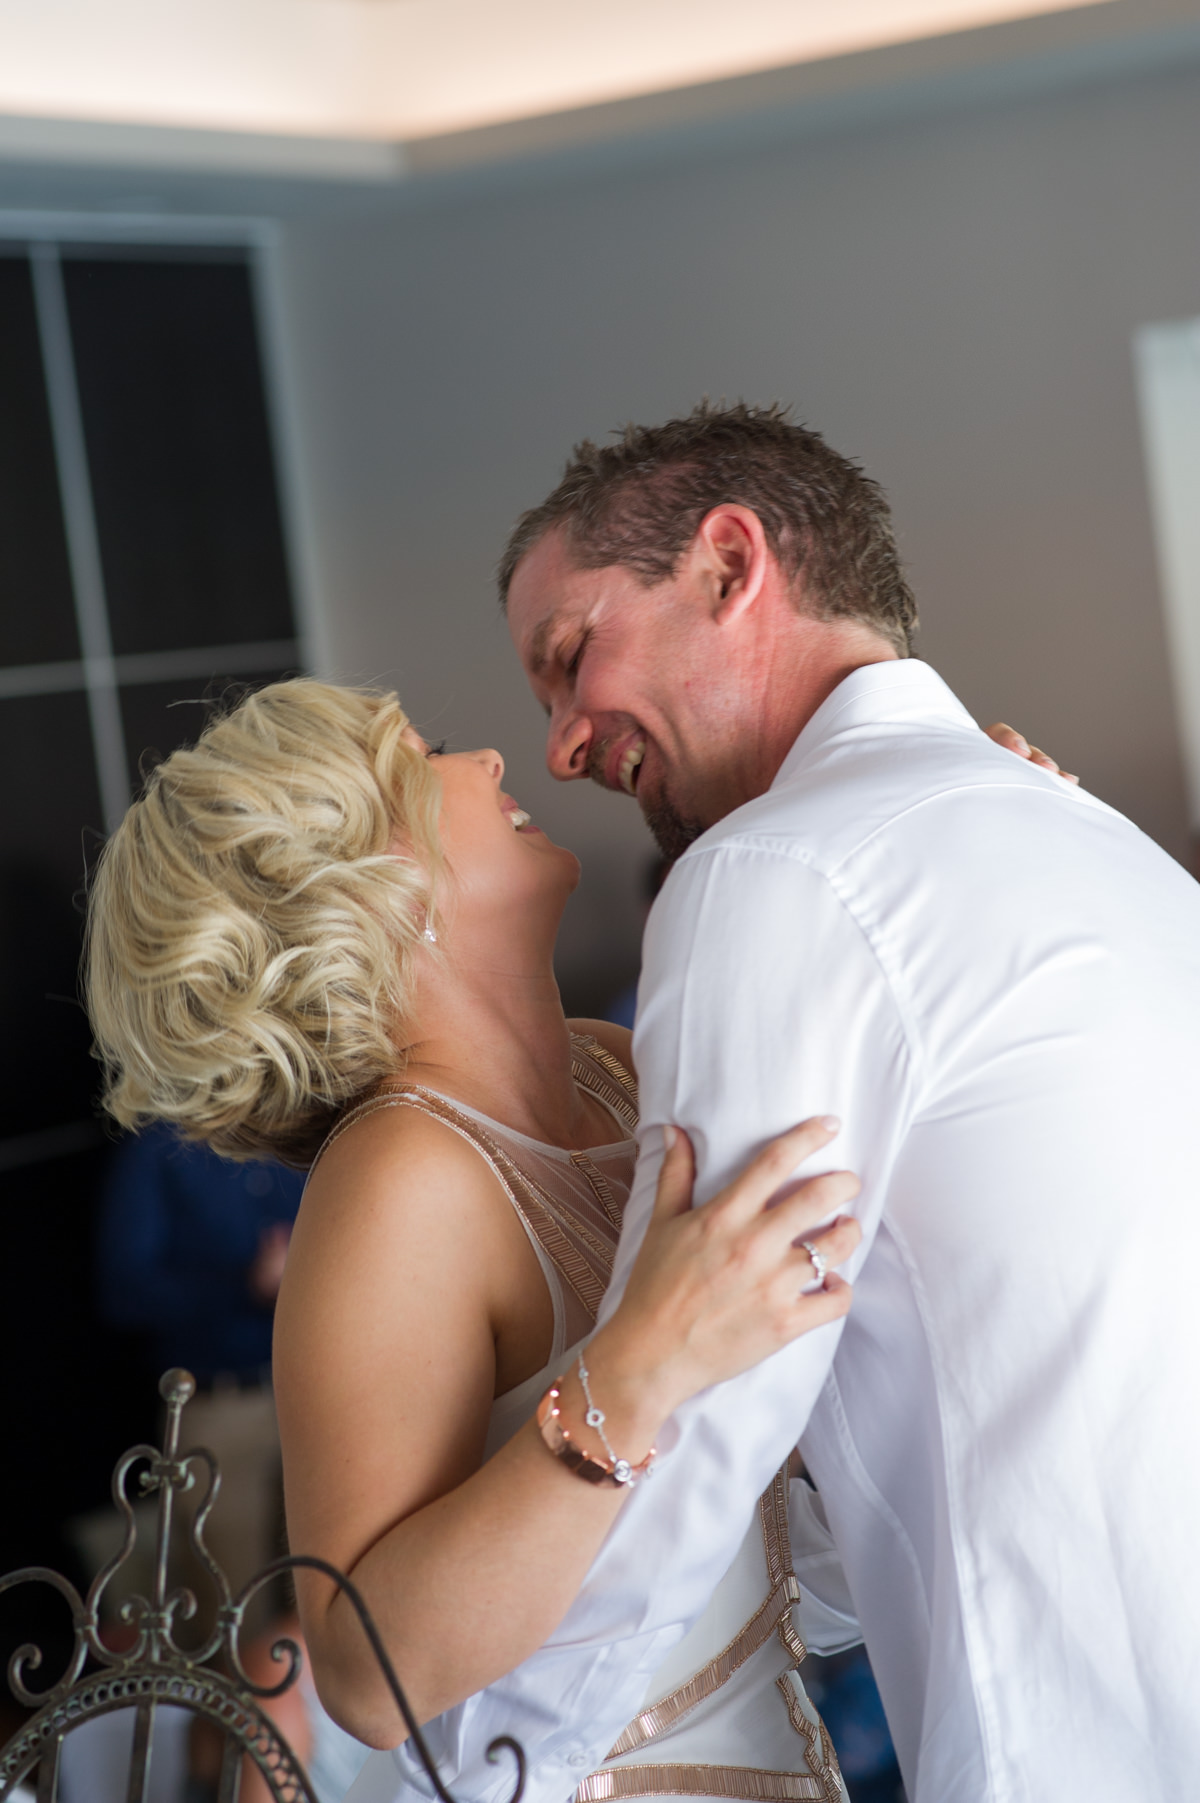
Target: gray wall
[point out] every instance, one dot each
(950, 299)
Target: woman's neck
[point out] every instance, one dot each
(500, 1043)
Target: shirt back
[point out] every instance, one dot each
(1008, 1020)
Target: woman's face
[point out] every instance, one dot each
(505, 874)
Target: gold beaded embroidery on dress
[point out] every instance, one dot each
(820, 1782)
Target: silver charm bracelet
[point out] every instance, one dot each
(623, 1472)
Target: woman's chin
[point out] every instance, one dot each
(564, 861)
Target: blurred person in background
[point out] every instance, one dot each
(190, 1253)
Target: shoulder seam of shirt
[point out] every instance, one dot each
(795, 854)
(754, 839)
(880, 684)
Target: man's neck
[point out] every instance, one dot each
(833, 675)
(795, 679)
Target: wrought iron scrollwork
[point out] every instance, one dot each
(155, 1670)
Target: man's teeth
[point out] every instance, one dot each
(519, 819)
(629, 764)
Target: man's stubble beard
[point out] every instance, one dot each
(673, 832)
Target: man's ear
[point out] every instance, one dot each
(732, 547)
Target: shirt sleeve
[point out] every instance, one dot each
(763, 1001)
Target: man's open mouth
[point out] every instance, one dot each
(629, 766)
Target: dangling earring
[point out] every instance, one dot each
(429, 934)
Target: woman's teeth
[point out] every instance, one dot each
(519, 819)
(629, 764)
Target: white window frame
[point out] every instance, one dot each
(1167, 359)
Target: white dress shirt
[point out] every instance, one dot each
(994, 980)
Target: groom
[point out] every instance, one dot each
(994, 980)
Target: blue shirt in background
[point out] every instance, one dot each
(179, 1232)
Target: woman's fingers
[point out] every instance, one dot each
(1047, 763)
(676, 1176)
(1009, 738)
(1018, 744)
(714, 1289)
(807, 1203)
(813, 1308)
(767, 1173)
(833, 1246)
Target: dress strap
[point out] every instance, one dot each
(585, 1267)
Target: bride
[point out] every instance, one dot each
(318, 938)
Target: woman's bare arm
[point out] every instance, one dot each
(410, 1288)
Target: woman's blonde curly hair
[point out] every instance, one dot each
(252, 927)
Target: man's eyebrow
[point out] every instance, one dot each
(539, 645)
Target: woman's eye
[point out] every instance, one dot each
(438, 750)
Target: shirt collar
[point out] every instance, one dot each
(897, 689)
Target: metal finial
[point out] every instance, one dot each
(154, 1669)
(177, 1385)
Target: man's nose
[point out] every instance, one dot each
(567, 744)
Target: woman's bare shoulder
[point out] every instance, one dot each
(393, 1139)
(397, 1190)
(614, 1039)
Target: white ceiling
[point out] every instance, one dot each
(408, 69)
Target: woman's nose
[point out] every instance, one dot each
(492, 762)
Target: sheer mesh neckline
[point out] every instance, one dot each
(545, 1147)
(583, 1047)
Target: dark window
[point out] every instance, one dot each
(37, 612)
(49, 822)
(164, 354)
(158, 716)
(183, 480)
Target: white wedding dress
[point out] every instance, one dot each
(726, 1715)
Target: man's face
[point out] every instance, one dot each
(639, 683)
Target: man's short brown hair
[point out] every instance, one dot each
(639, 502)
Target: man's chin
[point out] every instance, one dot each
(673, 831)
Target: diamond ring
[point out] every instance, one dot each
(818, 1262)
